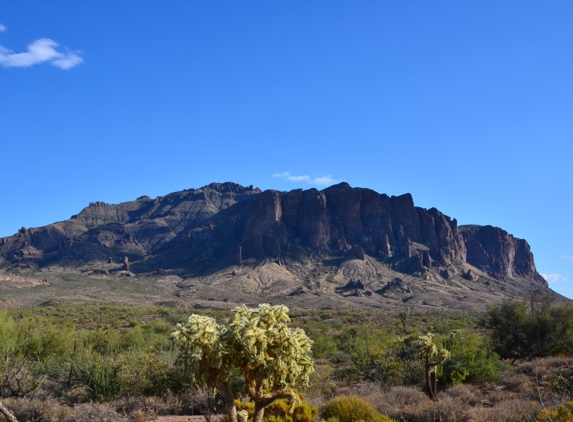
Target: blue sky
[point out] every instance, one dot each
(467, 105)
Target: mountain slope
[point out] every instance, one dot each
(341, 246)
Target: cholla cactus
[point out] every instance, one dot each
(205, 354)
(271, 356)
(259, 342)
(242, 416)
(204, 347)
(427, 350)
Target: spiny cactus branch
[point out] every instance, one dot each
(259, 342)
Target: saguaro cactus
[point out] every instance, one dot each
(427, 351)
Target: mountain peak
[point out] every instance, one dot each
(269, 244)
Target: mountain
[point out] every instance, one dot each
(225, 244)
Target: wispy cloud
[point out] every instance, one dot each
(325, 180)
(553, 278)
(40, 51)
(322, 180)
(570, 258)
(3, 28)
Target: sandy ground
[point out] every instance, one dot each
(215, 418)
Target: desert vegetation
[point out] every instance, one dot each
(259, 344)
(102, 363)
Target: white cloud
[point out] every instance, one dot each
(553, 278)
(299, 178)
(288, 176)
(40, 51)
(285, 174)
(567, 257)
(3, 28)
(323, 181)
(68, 61)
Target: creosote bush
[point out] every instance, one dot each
(351, 409)
(280, 411)
(472, 360)
(563, 413)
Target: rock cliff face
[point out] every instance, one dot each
(499, 253)
(198, 232)
(341, 217)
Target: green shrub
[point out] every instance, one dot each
(101, 340)
(562, 382)
(522, 330)
(323, 346)
(100, 375)
(278, 411)
(472, 360)
(351, 409)
(304, 412)
(563, 413)
(29, 349)
(395, 363)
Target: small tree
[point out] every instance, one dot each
(522, 333)
(259, 342)
(427, 351)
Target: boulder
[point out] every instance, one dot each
(356, 252)
(397, 285)
(299, 291)
(125, 264)
(470, 276)
(386, 247)
(356, 284)
(426, 259)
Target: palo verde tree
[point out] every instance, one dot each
(522, 330)
(428, 351)
(259, 342)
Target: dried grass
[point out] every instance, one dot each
(169, 404)
(519, 396)
(469, 395)
(94, 413)
(513, 400)
(51, 410)
(516, 410)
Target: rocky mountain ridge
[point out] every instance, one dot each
(272, 245)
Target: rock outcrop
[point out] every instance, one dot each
(498, 253)
(358, 221)
(201, 231)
